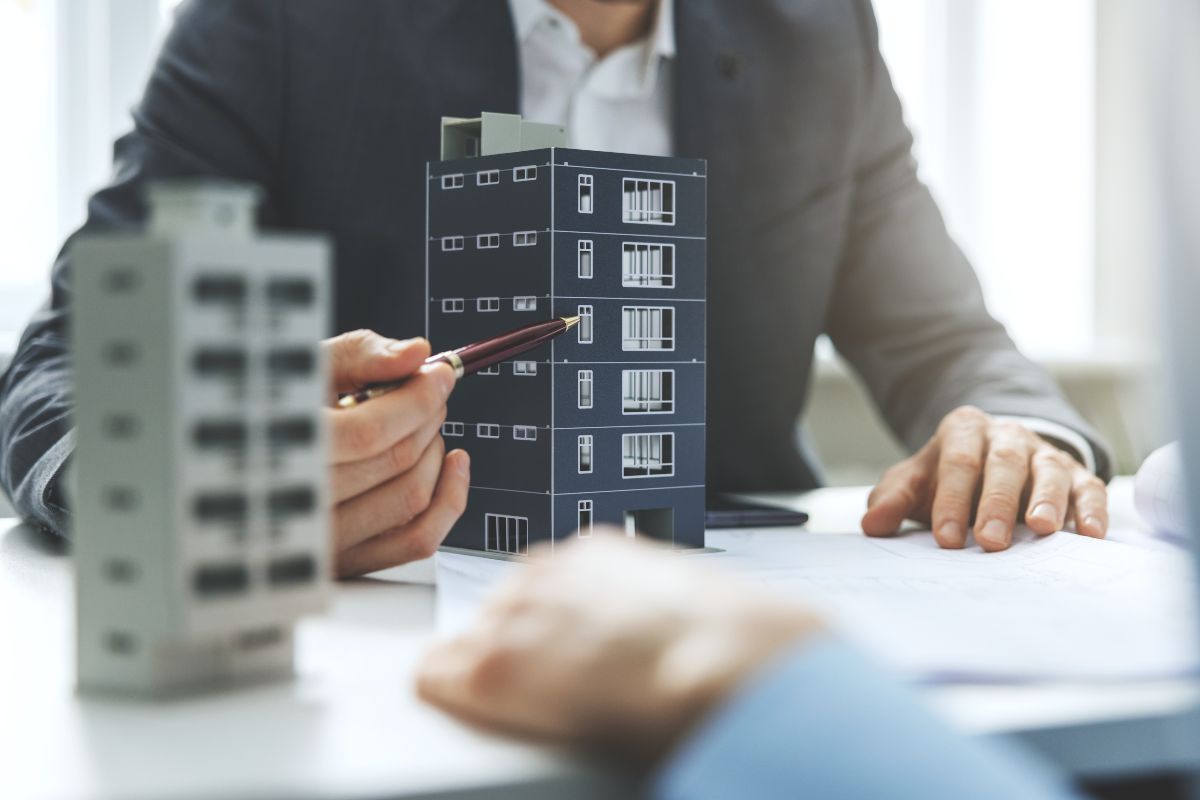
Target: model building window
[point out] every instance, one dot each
(585, 324)
(527, 433)
(585, 258)
(494, 369)
(452, 243)
(648, 265)
(487, 177)
(647, 328)
(585, 519)
(453, 305)
(524, 174)
(454, 429)
(227, 290)
(585, 388)
(648, 202)
(487, 304)
(452, 181)
(647, 455)
(524, 368)
(487, 241)
(485, 430)
(524, 304)
(505, 534)
(647, 391)
(585, 194)
(524, 238)
(585, 454)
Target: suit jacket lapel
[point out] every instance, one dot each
(474, 65)
(711, 107)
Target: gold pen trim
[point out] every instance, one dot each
(455, 362)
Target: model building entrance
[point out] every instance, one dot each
(657, 523)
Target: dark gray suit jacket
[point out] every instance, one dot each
(817, 222)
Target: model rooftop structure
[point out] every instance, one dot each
(201, 499)
(604, 425)
(491, 133)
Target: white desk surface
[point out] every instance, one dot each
(350, 726)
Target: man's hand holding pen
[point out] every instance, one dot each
(396, 491)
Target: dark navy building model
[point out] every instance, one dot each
(605, 425)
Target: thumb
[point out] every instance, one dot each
(361, 357)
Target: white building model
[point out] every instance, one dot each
(200, 486)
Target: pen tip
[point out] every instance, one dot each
(571, 321)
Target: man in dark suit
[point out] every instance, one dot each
(817, 224)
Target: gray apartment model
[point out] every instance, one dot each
(605, 425)
(200, 482)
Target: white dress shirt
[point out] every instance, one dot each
(622, 104)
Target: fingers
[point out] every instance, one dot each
(1050, 492)
(1089, 497)
(975, 463)
(371, 428)
(1006, 470)
(468, 676)
(393, 503)
(354, 478)
(959, 470)
(360, 357)
(446, 676)
(420, 537)
(899, 495)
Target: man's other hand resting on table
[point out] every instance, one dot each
(983, 474)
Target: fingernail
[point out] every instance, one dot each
(994, 532)
(951, 532)
(463, 463)
(399, 346)
(1045, 511)
(1093, 524)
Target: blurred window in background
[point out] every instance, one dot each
(28, 159)
(69, 72)
(999, 94)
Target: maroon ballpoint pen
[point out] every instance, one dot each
(476, 356)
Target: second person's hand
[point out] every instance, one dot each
(396, 492)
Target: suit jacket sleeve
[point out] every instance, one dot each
(822, 722)
(907, 310)
(212, 108)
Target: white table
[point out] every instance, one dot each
(350, 726)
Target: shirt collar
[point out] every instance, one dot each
(663, 35)
(528, 14)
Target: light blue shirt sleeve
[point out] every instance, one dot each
(822, 721)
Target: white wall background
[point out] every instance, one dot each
(69, 72)
(1000, 95)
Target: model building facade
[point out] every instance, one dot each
(604, 425)
(201, 524)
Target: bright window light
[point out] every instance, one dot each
(999, 95)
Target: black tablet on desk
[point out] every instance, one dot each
(722, 511)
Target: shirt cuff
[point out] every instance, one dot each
(1060, 436)
(822, 721)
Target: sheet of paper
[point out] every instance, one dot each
(1063, 607)
(463, 585)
